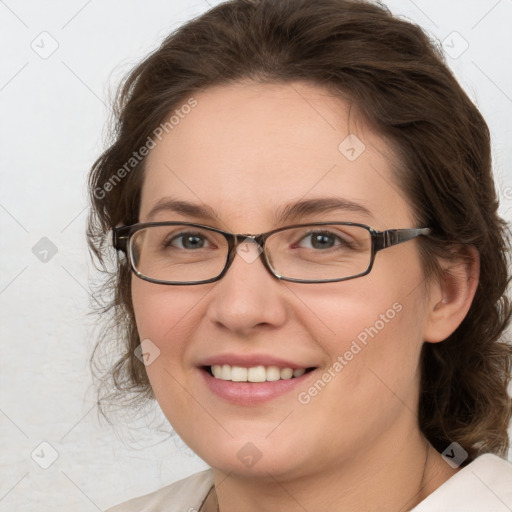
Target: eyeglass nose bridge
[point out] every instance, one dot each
(236, 243)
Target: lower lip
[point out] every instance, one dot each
(251, 393)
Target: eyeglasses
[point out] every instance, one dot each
(184, 253)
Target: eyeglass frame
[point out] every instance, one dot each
(121, 239)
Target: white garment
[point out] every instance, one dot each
(186, 495)
(484, 485)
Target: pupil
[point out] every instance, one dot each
(193, 242)
(321, 241)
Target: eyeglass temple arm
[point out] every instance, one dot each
(120, 239)
(392, 237)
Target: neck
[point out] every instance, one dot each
(388, 478)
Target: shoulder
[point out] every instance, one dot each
(484, 485)
(184, 496)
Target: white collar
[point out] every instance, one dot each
(484, 485)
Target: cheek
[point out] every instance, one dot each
(167, 317)
(371, 381)
(160, 309)
(163, 315)
(370, 327)
(361, 336)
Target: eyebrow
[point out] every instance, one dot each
(307, 207)
(183, 208)
(294, 210)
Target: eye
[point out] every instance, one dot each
(321, 240)
(189, 241)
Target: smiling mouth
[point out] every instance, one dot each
(254, 373)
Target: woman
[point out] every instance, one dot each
(312, 272)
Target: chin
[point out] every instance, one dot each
(253, 459)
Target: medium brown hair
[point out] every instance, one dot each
(397, 79)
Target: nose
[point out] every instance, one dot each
(248, 297)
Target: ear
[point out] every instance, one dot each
(451, 296)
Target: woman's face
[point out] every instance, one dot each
(241, 156)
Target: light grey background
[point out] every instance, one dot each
(53, 118)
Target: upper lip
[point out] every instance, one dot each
(249, 361)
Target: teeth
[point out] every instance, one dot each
(255, 373)
(225, 372)
(238, 374)
(273, 373)
(217, 371)
(286, 373)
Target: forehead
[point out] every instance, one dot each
(247, 149)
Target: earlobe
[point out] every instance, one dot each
(451, 295)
